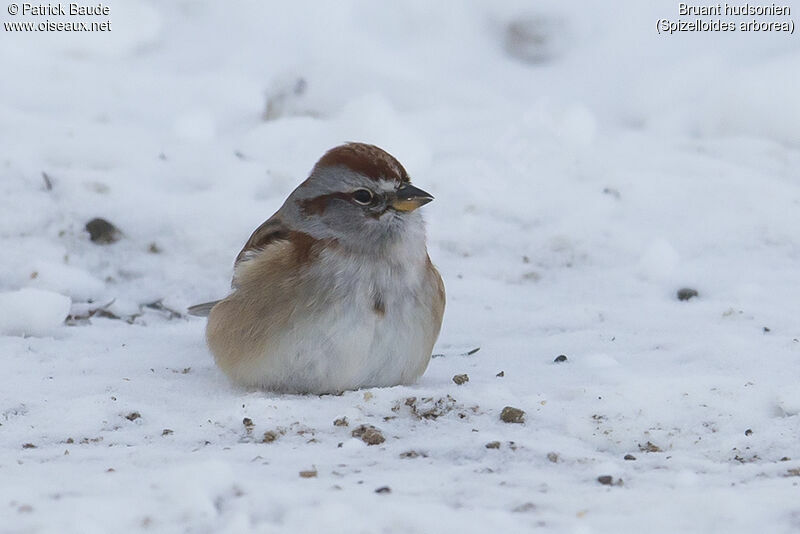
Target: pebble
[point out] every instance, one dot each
(685, 293)
(102, 232)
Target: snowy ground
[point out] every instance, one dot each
(585, 168)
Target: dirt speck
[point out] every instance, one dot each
(310, 473)
(167, 432)
(342, 421)
(629, 457)
(493, 445)
(536, 39)
(608, 480)
(512, 415)
(650, 447)
(28, 446)
(368, 434)
(413, 454)
(561, 358)
(269, 436)
(523, 508)
(793, 472)
(748, 432)
(48, 182)
(133, 416)
(383, 490)
(501, 374)
(553, 457)
(461, 379)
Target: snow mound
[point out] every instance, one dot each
(32, 312)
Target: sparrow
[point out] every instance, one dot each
(336, 290)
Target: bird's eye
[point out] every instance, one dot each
(362, 196)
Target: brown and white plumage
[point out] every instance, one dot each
(336, 290)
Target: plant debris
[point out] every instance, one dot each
(133, 416)
(493, 445)
(512, 415)
(158, 305)
(342, 421)
(428, 407)
(560, 358)
(83, 317)
(368, 434)
(461, 379)
(468, 353)
(649, 447)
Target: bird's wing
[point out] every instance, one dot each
(274, 288)
(270, 230)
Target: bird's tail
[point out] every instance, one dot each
(202, 310)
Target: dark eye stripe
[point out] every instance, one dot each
(318, 205)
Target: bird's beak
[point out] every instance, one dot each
(409, 198)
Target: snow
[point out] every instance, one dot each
(32, 311)
(585, 168)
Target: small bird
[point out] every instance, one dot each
(336, 290)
